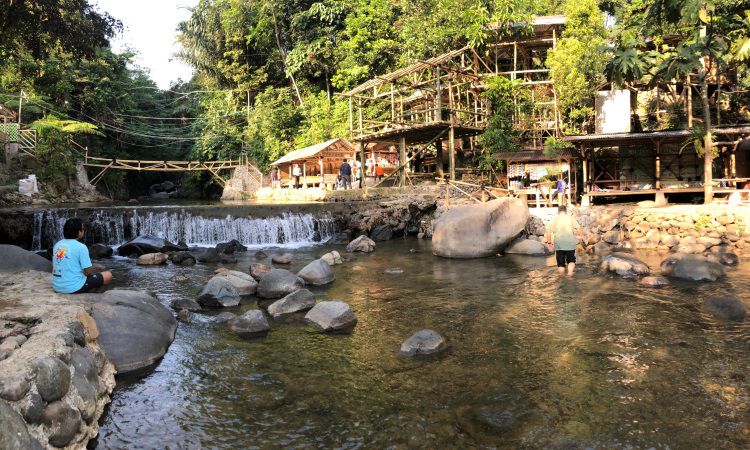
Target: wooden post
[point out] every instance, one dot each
(585, 175)
(657, 166)
(439, 157)
(689, 106)
(733, 161)
(393, 104)
(402, 160)
(438, 98)
(515, 61)
(363, 178)
(304, 174)
(359, 108)
(452, 152)
(573, 188)
(351, 115)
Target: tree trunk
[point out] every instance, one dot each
(708, 156)
(283, 56)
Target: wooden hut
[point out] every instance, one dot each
(319, 163)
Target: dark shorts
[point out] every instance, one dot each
(565, 257)
(92, 282)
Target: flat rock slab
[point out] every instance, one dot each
(423, 343)
(624, 265)
(725, 307)
(16, 259)
(317, 273)
(279, 283)
(251, 324)
(481, 230)
(297, 301)
(332, 316)
(244, 283)
(219, 293)
(691, 267)
(135, 329)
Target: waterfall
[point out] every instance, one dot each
(116, 226)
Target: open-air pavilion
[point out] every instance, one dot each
(318, 163)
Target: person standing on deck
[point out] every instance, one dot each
(560, 190)
(346, 175)
(296, 173)
(564, 229)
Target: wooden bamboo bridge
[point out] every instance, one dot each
(213, 167)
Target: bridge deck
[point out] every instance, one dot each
(160, 166)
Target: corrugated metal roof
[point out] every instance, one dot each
(533, 155)
(311, 151)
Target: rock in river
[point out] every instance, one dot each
(244, 283)
(475, 231)
(724, 258)
(258, 270)
(361, 244)
(16, 259)
(527, 247)
(317, 273)
(278, 283)
(251, 324)
(152, 259)
(725, 307)
(655, 281)
(691, 267)
(297, 301)
(100, 251)
(286, 258)
(135, 329)
(332, 316)
(218, 293)
(182, 258)
(624, 265)
(381, 233)
(423, 342)
(186, 304)
(230, 247)
(147, 244)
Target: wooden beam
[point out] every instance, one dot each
(402, 161)
(452, 152)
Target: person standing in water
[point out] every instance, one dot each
(564, 229)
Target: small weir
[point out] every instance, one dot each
(115, 226)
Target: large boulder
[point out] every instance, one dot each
(691, 267)
(278, 283)
(152, 259)
(381, 233)
(480, 230)
(148, 244)
(423, 343)
(251, 324)
(297, 301)
(14, 434)
(535, 227)
(230, 247)
(183, 258)
(332, 316)
(16, 259)
(97, 251)
(624, 265)
(219, 292)
(527, 247)
(244, 283)
(317, 273)
(361, 244)
(135, 329)
(725, 307)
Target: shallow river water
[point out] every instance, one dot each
(534, 361)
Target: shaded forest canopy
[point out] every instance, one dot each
(267, 71)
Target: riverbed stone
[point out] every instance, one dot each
(278, 283)
(654, 281)
(725, 307)
(724, 258)
(317, 273)
(13, 432)
(224, 317)
(694, 249)
(206, 255)
(219, 292)
(63, 421)
(52, 378)
(230, 247)
(527, 247)
(393, 271)
(361, 244)
(152, 259)
(244, 283)
(98, 251)
(135, 329)
(297, 301)
(423, 343)
(184, 316)
(479, 230)
(258, 271)
(260, 255)
(624, 265)
(691, 267)
(187, 304)
(183, 258)
(381, 233)
(332, 316)
(16, 259)
(147, 244)
(286, 258)
(332, 258)
(250, 324)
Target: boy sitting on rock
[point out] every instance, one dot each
(72, 271)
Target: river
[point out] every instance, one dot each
(534, 361)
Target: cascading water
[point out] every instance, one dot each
(114, 227)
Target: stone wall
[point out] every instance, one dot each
(55, 380)
(681, 228)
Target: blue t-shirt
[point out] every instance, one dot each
(69, 258)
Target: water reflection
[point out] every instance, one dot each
(535, 360)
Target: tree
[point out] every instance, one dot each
(507, 99)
